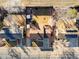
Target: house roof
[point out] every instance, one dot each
(32, 3)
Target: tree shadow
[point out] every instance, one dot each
(34, 24)
(69, 55)
(24, 50)
(14, 54)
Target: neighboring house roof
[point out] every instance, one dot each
(32, 3)
(58, 3)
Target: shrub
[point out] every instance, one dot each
(72, 13)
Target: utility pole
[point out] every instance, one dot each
(28, 16)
